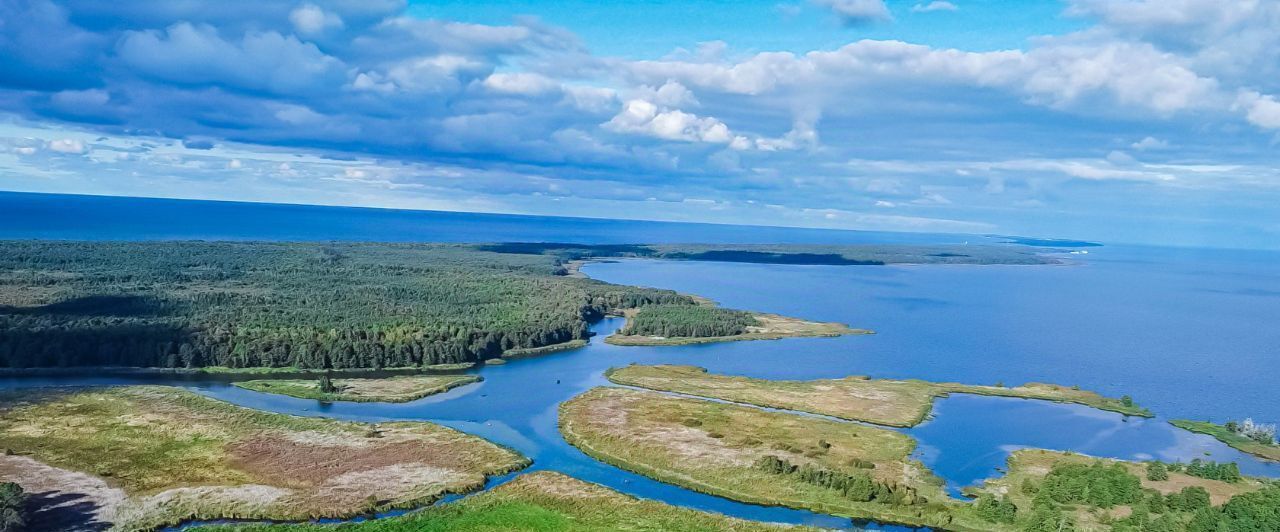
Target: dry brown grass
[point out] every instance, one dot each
(177, 455)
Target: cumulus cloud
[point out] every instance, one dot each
(1261, 110)
(646, 118)
(857, 12)
(196, 54)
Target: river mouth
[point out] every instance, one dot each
(968, 438)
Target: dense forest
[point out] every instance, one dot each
(684, 321)
(307, 305)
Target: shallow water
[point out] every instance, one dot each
(1149, 323)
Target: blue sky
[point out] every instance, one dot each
(1149, 121)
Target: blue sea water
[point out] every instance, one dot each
(1187, 333)
(74, 217)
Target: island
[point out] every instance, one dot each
(761, 457)
(895, 403)
(542, 500)
(1239, 435)
(398, 389)
(750, 454)
(705, 323)
(143, 457)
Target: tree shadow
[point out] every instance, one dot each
(60, 510)
(125, 306)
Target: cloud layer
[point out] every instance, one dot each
(1155, 109)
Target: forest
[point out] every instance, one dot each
(306, 305)
(688, 321)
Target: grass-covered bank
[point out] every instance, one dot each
(761, 457)
(898, 403)
(389, 390)
(145, 456)
(1234, 439)
(542, 501)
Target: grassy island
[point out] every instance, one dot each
(389, 390)
(705, 323)
(761, 457)
(542, 501)
(145, 456)
(897, 403)
(1046, 489)
(1234, 439)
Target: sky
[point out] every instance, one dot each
(1142, 121)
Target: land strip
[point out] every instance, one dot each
(1240, 443)
(896, 403)
(141, 457)
(722, 449)
(544, 501)
(388, 390)
(765, 327)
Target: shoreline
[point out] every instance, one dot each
(1240, 443)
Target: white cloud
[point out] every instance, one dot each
(857, 12)
(197, 54)
(1260, 109)
(25, 150)
(309, 19)
(936, 5)
(234, 164)
(72, 146)
(646, 118)
(1150, 143)
(524, 83)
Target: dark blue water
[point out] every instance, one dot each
(73, 217)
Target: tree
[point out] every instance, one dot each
(1157, 471)
(326, 384)
(13, 507)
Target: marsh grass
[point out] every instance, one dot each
(895, 403)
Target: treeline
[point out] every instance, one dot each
(684, 321)
(339, 305)
(808, 254)
(1224, 471)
